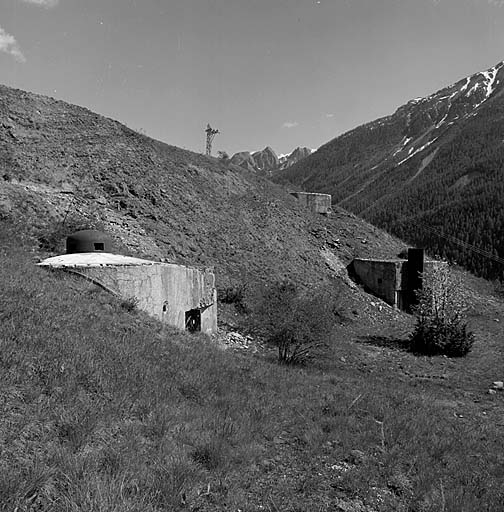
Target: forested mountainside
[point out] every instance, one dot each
(431, 173)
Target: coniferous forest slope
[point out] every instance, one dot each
(431, 173)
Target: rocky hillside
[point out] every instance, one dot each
(63, 167)
(431, 173)
(267, 161)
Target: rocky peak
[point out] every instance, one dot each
(267, 161)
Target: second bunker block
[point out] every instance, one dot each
(317, 203)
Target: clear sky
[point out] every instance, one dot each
(282, 73)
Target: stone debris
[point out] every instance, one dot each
(235, 340)
(498, 385)
(341, 467)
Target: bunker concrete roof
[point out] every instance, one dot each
(311, 194)
(94, 259)
(377, 260)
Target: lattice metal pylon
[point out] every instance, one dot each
(210, 135)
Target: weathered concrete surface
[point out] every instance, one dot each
(382, 277)
(163, 290)
(93, 259)
(387, 279)
(318, 203)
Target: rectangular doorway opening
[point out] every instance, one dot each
(193, 320)
(99, 246)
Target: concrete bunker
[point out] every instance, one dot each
(181, 296)
(89, 240)
(393, 280)
(317, 203)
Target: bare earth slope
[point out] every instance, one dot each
(60, 163)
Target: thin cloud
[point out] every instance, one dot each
(329, 115)
(43, 3)
(9, 45)
(290, 124)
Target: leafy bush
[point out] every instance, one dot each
(298, 324)
(441, 326)
(234, 295)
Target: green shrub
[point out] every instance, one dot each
(441, 326)
(234, 295)
(298, 324)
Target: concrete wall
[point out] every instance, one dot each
(164, 291)
(382, 277)
(318, 203)
(387, 279)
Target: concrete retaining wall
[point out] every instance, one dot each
(387, 279)
(163, 290)
(383, 278)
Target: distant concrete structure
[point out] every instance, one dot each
(180, 296)
(318, 203)
(89, 240)
(392, 280)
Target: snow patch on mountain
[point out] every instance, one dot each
(404, 143)
(413, 153)
(466, 85)
(487, 84)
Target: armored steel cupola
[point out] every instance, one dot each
(88, 240)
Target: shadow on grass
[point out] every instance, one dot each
(391, 342)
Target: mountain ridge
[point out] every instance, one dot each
(266, 161)
(435, 158)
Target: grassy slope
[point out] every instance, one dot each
(104, 409)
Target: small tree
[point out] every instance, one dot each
(298, 324)
(222, 155)
(441, 311)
